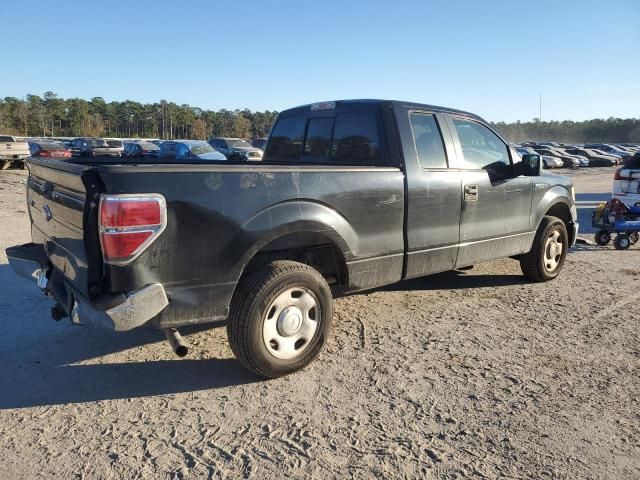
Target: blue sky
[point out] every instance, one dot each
(493, 58)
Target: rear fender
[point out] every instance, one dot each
(297, 216)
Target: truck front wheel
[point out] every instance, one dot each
(280, 318)
(546, 258)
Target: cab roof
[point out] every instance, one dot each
(379, 102)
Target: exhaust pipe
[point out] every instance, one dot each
(177, 343)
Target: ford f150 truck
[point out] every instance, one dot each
(350, 195)
(12, 150)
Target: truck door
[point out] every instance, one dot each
(496, 202)
(433, 192)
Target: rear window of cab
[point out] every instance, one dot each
(341, 138)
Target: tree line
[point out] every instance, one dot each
(53, 116)
(611, 130)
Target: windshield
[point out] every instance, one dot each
(238, 143)
(201, 148)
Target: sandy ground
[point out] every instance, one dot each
(459, 375)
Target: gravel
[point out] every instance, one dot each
(463, 374)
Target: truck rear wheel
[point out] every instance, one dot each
(546, 258)
(280, 318)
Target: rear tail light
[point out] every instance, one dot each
(129, 224)
(45, 153)
(618, 175)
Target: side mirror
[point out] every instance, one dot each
(531, 165)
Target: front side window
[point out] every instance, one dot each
(428, 141)
(182, 151)
(481, 148)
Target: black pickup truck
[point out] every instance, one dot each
(350, 195)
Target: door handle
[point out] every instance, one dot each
(471, 193)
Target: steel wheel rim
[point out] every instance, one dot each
(553, 250)
(290, 323)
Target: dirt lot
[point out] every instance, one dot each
(475, 374)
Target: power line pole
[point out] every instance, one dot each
(540, 119)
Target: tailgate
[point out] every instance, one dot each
(56, 198)
(14, 148)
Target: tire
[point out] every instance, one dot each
(622, 242)
(634, 237)
(545, 261)
(603, 237)
(280, 318)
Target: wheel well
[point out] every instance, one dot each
(562, 211)
(313, 249)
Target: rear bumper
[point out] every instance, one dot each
(119, 312)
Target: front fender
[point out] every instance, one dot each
(550, 198)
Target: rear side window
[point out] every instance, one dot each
(428, 141)
(349, 138)
(318, 141)
(355, 139)
(286, 138)
(5, 139)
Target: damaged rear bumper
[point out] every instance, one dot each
(116, 312)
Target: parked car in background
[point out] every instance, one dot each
(259, 143)
(626, 182)
(609, 149)
(12, 151)
(568, 161)
(617, 157)
(180, 150)
(115, 144)
(595, 159)
(48, 149)
(236, 149)
(631, 147)
(141, 150)
(92, 147)
(551, 162)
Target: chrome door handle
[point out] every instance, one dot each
(471, 193)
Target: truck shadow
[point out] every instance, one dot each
(40, 357)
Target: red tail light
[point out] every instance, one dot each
(129, 224)
(45, 153)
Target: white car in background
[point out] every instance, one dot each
(626, 182)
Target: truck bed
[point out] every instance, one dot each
(219, 215)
